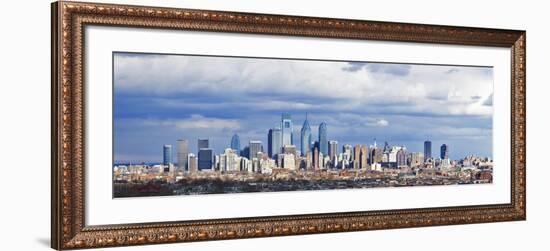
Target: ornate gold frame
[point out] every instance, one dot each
(68, 142)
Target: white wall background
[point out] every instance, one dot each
(25, 120)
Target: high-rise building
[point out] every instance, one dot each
(389, 156)
(245, 165)
(289, 161)
(167, 155)
(286, 125)
(316, 144)
(357, 157)
(333, 150)
(386, 147)
(230, 161)
(255, 164)
(290, 149)
(245, 152)
(375, 155)
(221, 161)
(182, 154)
(270, 143)
(427, 150)
(364, 157)
(305, 139)
(205, 159)
(236, 144)
(315, 158)
(192, 162)
(254, 146)
(323, 143)
(444, 151)
(347, 151)
(216, 163)
(203, 143)
(274, 142)
(322, 161)
(308, 159)
(416, 159)
(401, 157)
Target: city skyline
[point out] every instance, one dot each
(461, 119)
(333, 147)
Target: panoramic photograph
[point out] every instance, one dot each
(195, 125)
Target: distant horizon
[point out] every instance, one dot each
(162, 98)
(380, 144)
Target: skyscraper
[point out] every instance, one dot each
(316, 145)
(192, 162)
(386, 147)
(167, 155)
(230, 160)
(444, 151)
(254, 146)
(401, 157)
(236, 144)
(290, 149)
(203, 143)
(427, 150)
(323, 143)
(416, 159)
(315, 158)
(357, 157)
(347, 150)
(364, 157)
(309, 160)
(333, 151)
(182, 154)
(205, 158)
(289, 161)
(274, 142)
(245, 152)
(375, 155)
(305, 139)
(286, 125)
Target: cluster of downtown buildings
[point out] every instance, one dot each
(314, 154)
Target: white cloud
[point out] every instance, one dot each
(382, 123)
(427, 89)
(194, 122)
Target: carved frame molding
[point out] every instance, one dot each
(68, 142)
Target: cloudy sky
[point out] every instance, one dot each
(161, 98)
